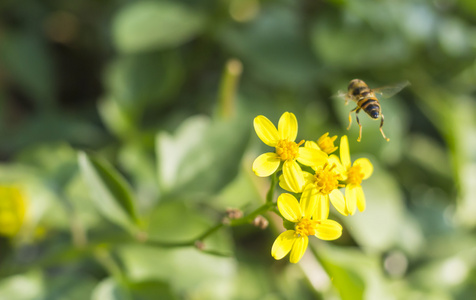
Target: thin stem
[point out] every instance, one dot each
(244, 220)
(228, 88)
(270, 194)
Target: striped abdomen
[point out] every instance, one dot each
(369, 103)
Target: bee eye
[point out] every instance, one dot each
(375, 114)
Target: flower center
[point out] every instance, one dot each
(327, 179)
(287, 150)
(306, 227)
(355, 175)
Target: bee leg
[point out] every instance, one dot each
(360, 125)
(381, 130)
(350, 116)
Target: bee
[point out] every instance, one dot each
(367, 100)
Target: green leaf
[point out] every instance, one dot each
(108, 289)
(28, 60)
(110, 192)
(379, 226)
(202, 157)
(147, 25)
(354, 274)
(185, 269)
(273, 48)
(144, 80)
(31, 283)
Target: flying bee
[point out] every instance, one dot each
(367, 101)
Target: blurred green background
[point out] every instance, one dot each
(126, 133)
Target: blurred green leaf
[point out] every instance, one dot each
(172, 215)
(202, 157)
(33, 285)
(115, 118)
(53, 127)
(138, 161)
(69, 286)
(335, 44)
(155, 25)
(144, 81)
(22, 287)
(185, 269)
(151, 290)
(27, 58)
(110, 192)
(339, 265)
(108, 289)
(57, 163)
(378, 227)
(272, 49)
(353, 274)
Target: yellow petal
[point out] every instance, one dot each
(337, 199)
(298, 249)
(288, 127)
(293, 176)
(328, 230)
(366, 166)
(334, 160)
(312, 145)
(266, 131)
(283, 244)
(266, 164)
(360, 198)
(308, 201)
(322, 210)
(351, 198)
(289, 207)
(308, 177)
(344, 152)
(283, 184)
(311, 157)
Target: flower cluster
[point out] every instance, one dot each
(309, 169)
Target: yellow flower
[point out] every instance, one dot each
(326, 143)
(296, 240)
(324, 185)
(353, 175)
(287, 150)
(12, 210)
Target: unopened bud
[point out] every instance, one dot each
(260, 222)
(234, 213)
(199, 245)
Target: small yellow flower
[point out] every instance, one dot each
(12, 210)
(353, 175)
(296, 240)
(324, 185)
(326, 143)
(287, 150)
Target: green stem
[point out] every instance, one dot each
(228, 87)
(236, 222)
(270, 194)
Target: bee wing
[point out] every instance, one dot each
(390, 90)
(342, 95)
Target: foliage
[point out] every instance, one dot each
(127, 128)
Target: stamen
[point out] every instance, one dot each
(306, 227)
(355, 175)
(288, 150)
(327, 179)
